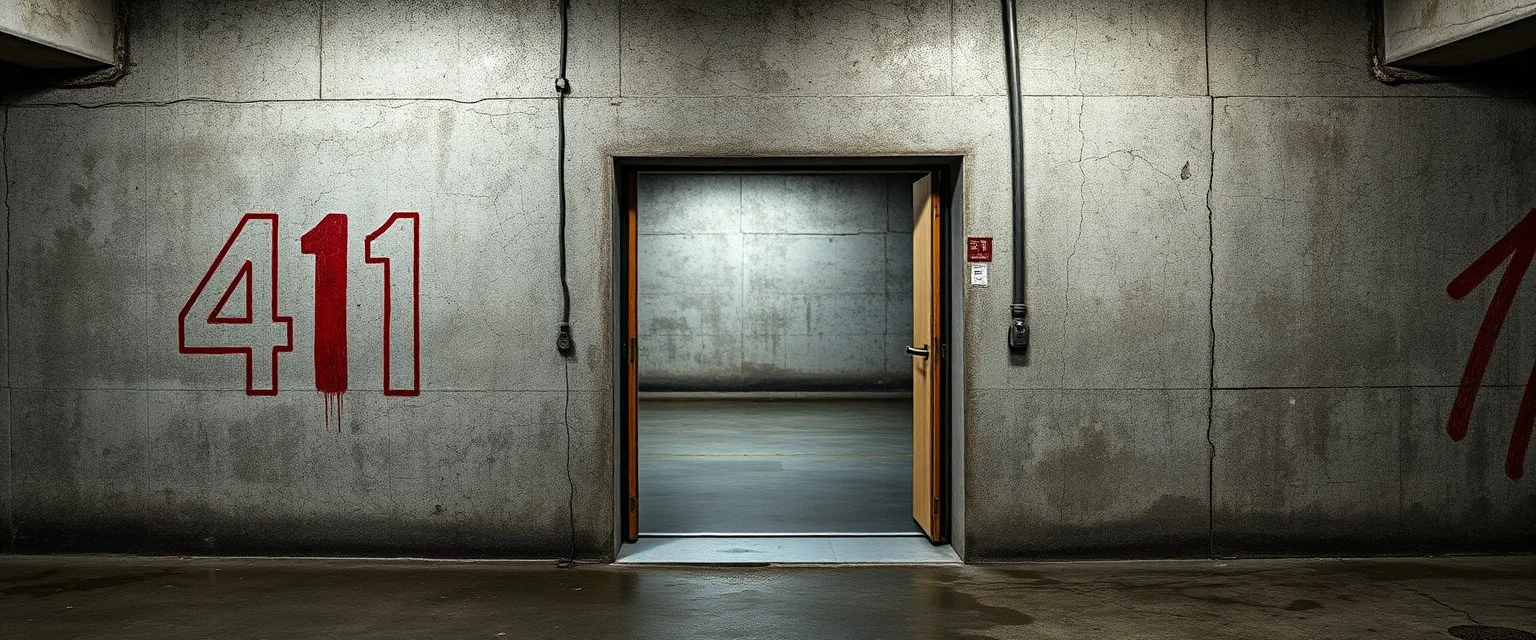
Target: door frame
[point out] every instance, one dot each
(948, 171)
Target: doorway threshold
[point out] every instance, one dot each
(786, 549)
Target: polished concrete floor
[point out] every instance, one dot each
(782, 466)
(132, 598)
(914, 549)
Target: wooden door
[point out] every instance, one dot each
(631, 348)
(925, 352)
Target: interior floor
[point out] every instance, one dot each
(787, 550)
(783, 466)
(173, 598)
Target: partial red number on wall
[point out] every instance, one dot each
(244, 274)
(399, 240)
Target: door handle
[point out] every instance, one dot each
(921, 353)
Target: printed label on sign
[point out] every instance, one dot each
(978, 275)
(978, 249)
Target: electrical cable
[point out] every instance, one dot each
(563, 341)
(1018, 328)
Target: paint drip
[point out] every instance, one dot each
(329, 398)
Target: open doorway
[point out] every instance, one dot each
(783, 391)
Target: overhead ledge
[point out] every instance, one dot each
(1447, 33)
(76, 34)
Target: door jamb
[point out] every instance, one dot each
(948, 172)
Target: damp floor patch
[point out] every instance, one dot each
(787, 550)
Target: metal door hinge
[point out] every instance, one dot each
(935, 506)
(634, 504)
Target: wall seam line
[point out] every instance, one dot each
(5, 299)
(320, 52)
(951, 62)
(143, 412)
(741, 278)
(1240, 389)
(974, 388)
(619, 59)
(1210, 228)
(595, 97)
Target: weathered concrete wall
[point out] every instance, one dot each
(775, 282)
(1429, 32)
(1239, 247)
(5, 361)
(1358, 389)
(58, 33)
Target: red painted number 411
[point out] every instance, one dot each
(238, 313)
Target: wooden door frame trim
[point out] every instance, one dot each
(948, 170)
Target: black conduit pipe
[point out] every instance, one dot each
(564, 343)
(1018, 330)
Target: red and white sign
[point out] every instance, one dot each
(978, 249)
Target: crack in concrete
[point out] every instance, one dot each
(1135, 156)
(10, 459)
(1440, 602)
(1210, 231)
(1492, 20)
(320, 53)
(389, 101)
(1066, 288)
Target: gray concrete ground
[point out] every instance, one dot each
(122, 597)
(800, 466)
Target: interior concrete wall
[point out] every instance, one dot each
(765, 282)
(1239, 243)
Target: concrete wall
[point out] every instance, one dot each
(1239, 247)
(775, 282)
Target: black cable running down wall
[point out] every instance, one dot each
(1018, 329)
(564, 343)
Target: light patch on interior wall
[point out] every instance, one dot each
(781, 282)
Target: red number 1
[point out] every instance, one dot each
(327, 242)
(402, 300)
(1518, 247)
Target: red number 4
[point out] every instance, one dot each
(248, 262)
